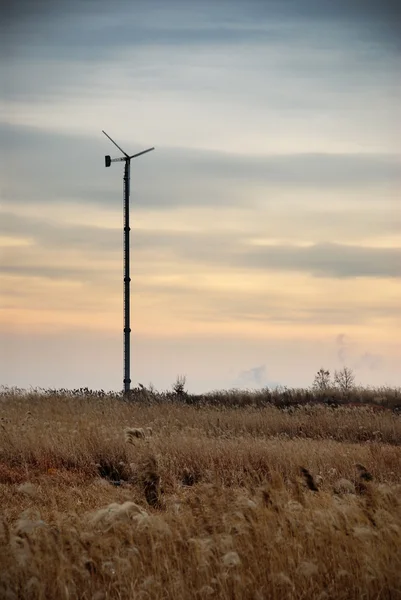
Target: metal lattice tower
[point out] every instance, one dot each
(126, 259)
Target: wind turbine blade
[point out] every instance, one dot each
(121, 150)
(139, 153)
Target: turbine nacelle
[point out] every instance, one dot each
(108, 160)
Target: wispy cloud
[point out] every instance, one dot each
(255, 377)
(229, 250)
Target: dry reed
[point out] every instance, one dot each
(217, 503)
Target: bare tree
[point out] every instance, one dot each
(344, 379)
(322, 380)
(179, 385)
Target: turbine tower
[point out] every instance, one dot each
(126, 253)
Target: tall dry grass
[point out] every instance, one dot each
(211, 502)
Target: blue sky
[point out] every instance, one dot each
(266, 225)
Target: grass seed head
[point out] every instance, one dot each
(231, 559)
(150, 479)
(344, 486)
(28, 489)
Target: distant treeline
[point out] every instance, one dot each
(378, 398)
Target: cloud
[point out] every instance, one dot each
(51, 168)
(342, 347)
(96, 30)
(326, 260)
(348, 355)
(222, 249)
(272, 56)
(93, 27)
(50, 234)
(255, 377)
(306, 169)
(370, 360)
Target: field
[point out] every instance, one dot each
(174, 497)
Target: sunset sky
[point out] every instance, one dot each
(266, 226)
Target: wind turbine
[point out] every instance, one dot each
(126, 253)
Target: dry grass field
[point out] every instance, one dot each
(170, 500)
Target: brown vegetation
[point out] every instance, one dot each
(248, 502)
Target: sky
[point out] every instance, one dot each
(266, 225)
